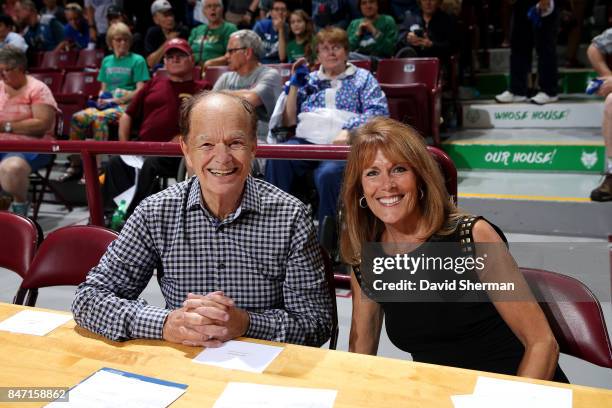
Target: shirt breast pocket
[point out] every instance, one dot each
(254, 285)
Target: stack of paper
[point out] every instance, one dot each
(492, 392)
(271, 396)
(110, 388)
(240, 355)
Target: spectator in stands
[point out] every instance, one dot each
(41, 33)
(428, 33)
(121, 75)
(374, 35)
(76, 31)
(327, 105)
(330, 13)
(209, 41)
(166, 28)
(270, 29)
(54, 10)
(154, 112)
(241, 13)
(300, 39)
(8, 9)
(225, 262)
(258, 84)
(95, 12)
(8, 36)
(27, 112)
(540, 29)
(394, 193)
(599, 52)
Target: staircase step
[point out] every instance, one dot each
(536, 203)
(567, 113)
(560, 150)
(571, 80)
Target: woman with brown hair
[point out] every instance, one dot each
(394, 193)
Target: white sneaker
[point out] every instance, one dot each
(542, 98)
(509, 97)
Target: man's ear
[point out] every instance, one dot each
(185, 150)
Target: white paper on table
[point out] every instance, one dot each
(240, 355)
(271, 396)
(34, 322)
(488, 401)
(542, 395)
(109, 388)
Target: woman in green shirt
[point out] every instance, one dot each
(121, 74)
(300, 39)
(209, 41)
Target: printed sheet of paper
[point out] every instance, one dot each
(34, 322)
(507, 393)
(271, 396)
(110, 388)
(240, 355)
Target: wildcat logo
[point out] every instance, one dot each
(588, 159)
(472, 116)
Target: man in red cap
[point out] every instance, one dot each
(153, 114)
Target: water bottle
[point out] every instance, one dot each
(118, 218)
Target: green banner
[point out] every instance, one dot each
(574, 158)
(569, 82)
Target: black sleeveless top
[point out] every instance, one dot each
(469, 335)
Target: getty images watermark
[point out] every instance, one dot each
(449, 272)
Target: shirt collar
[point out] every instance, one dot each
(350, 70)
(251, 201)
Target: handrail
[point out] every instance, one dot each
(90, 149)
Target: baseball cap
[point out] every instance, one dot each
(160, 5)
(178, 44)
(113, 11)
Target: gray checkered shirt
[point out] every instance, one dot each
(264, 256)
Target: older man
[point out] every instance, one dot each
(42, 33)
(257, 83)
(166, 28)
(598, 51)
(27, 112)
(154, 111)
(209, 41)
(235, 256)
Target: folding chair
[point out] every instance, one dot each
(77, 88)
(64, 258)
(19, 238)
(574, 315)
(212, 74)
(331, 285)
(53, 79)
(40, 179)
(283, 69)
(90, 59)
(414, 92)
(56, 60)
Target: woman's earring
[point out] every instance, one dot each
(421, 193)
(362, 202)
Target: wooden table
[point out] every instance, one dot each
(69, 354)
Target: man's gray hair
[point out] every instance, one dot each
(13, 57)
(250, 39)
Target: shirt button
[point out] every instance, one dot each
(221, 265)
